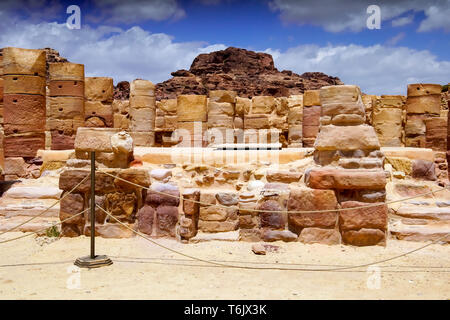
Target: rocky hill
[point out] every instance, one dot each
(247, 72)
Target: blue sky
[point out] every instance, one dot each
(150, 39)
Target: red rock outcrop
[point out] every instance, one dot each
(247, 72)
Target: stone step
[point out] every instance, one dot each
(423, 212)
(421, 233)
(33, 192)
(32, 226)
(10, 207)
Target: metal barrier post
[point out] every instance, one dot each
(93, 261)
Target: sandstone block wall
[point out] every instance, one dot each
(122, 200)
(66, 103)
(24, 112)
(142, 112)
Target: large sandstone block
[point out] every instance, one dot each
(15, 166)
(319, 235)
(166, 220)
(423, 170)
(99, 109)
(336, 108)
(191, 197)
(256, 121)
(311, 98)
(218, 226)
(220, 108)
(391, 115)
(305, 199)
(424, 104)
(121, 106)
(24, 84)
(24, 113)
(389, 101)
(169, 106)
(142, 120)
(70, 178)
(61, 140)
(99, 89)
(143, 139)
(311, 115)
(346, 138)
(138, 102)
(295, 116)
(146, 217)
(263, 104)
(436, 134)
(330, 178)
(191, 108)
(423, 89)
(121, 121)
(295, 134)
(295, 101)
(23, 145)
(220, 121)
(60, 88)
(18, 61)
(163, 194)
(364, 237)
(71, 205)
(310, 131)
(243, 106)
(66, 108)
(222, 96)
(375, 217)
(283, 176)
(66, 71)
(94, 139)
(342, 93)
(142, 88)
(64, 126)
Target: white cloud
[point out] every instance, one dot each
(437, 17)
(109, 51)
(351, 15)
(403, 21)
(134, 11)
(376, 69)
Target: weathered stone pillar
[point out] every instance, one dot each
(24, 102)
(348, 150)
(142, 113)
(66, 105)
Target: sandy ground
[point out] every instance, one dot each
(29, 270)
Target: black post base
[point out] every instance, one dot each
(97, 262)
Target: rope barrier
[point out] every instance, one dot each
(43, 229)
(278, 263)
(46, 210)
(270, 268)
(278, 211)
(209, 266)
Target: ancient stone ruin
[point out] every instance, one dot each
(232, 149)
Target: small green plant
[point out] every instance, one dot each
(445, 88)
(52, 232)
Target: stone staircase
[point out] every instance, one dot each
(423, 219)
(28, 199)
